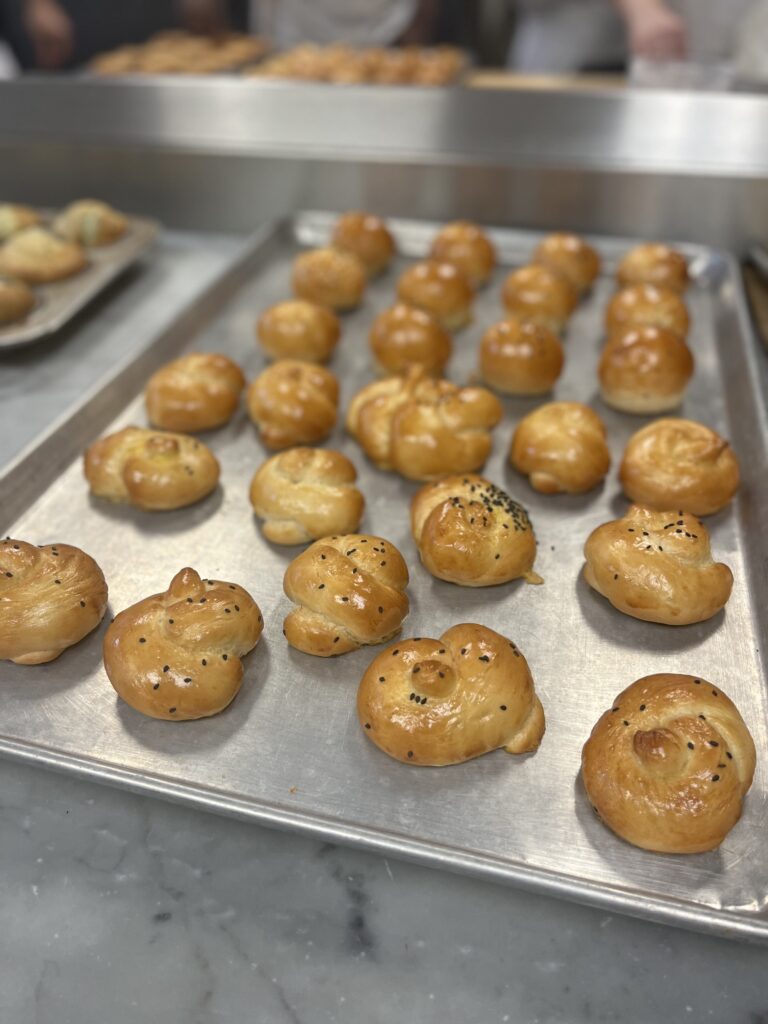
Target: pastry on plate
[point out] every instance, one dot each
(293, 403)
(654, 263)
(561, 446)
(298, 329)
(38, 256)
(14, 217)
(404, 336)
(16, 299)
(519, 357)
(440, 289)
(367, 237)
(645, 370)
(91, 223)
(645, 305)
(199, 391)
(570, 256)
(540, 295)
(469, 248)
(329, 277)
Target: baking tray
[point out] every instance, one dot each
(57, 303)
(289, 751)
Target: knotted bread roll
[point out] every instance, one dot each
(668, 766)
(292, 403)
(467, 247)
(350, 592)
(520, 358)
(329, 277)
(50, 598)
(439, 702)
(656, 264)
(298, 329)
(199, 391)
(177, 655)
(14, 217)
(16, 299)
(645, 370)
(561, 447)
(440, 289)
(540, 295)
(90, 222)
(367, 237)
(40, 257)
(571, 257)
(645, 305)
(403, 336)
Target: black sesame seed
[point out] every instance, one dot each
(203, 600)
(228, 611)
(11, 574)
(697, 682)
(416, 668)
(382, 563)
(171, 711)
(703, 718)
(626, 722)
(156, 686)
(224, 657)
(323, 557)
(410, 753)
(321, 587)
(423, 700)
(142, 640)
(713, 743)
(396, 651)
(642, 707)
(189, 600)
(498, 556)
(203, 662)
(615, 709)
(345, 599)
(714, 693)
(441, 674)
(615, 575)
(484, 657)
(82, 604)
(441, 651)
(166, 668)
(723, 765)
(367, 725)
(336, 639)
(171, 621)
(502, 707)
(231, 587)
(381, 610)
(381, 679)
(729, 755)
(237, 607)
(690, 746)
(463, 650)
(715, 778)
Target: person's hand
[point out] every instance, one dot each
(655, 32)
(50, 31)
(206, 17)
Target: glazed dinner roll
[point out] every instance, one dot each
(329, 277)
(177, 655)
(540, 295)
(298, 329)
(571, 257)
(14, 217)
(439, 702)
(404, 336)
(467, 247)
(40, 257)
(367, 237)
(423, 428)
(657, 566)
(199, 391)
(518, 357)
(306, 493)
(470, 532)
(668, 766)
(292, 403)
(50, 598)
(645, 305)
(675, 463)
(561, 447)
(645, 370)
(654, 263)
(16, 299)
(440, 289)
(152, 469)
(349, 591)
(91, 223)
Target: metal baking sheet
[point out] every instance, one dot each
(58, 302)
(289, 751)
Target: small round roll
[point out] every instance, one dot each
(668, 766)
(645, 305)
(91, 223)
(561, 446)
(539, 295)
(16, 299)
(403, 336)
(658, 567)
(199, 391)
(293, 403)
(656, 264)
(298, 329)
(645, 370)
(467, 247)
(676, 463)
(367, 237)
(14, 217)
(39, 257)
(440, 289)
(520, 358)
(329, 277)
(571, 257)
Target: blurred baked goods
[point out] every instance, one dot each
(329, 277)
(298, 329)
(177, 655)
(306, 493)
(178, 52)
(656, 264)
(657, 566)
(519, 357)
(645, 305)
(152, 469)
(50, 598)
(540, 295)
(676, 463)
(470, 532)
(668, 766)
(341, 64)
(349, 591)
(39, 257)
(440, 702)
(561, 446)
(467, 247)
(423, 428)
(645, 370)
(403, 336)
(367, 237)
(293, 403)
(570, 256)
(16, 299)
(199, 391)
(91, 223)
(14, 217)
(440, 289)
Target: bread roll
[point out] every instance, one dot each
(91, 223)
(39, 257)
(16, 299)
(404, 336)
(367, 237)
(675, 463)
(644, 305)
(656, 264)
(668, 766)
(177, 655)
(14, 218)
(306, 493)
(645, 370)
(470, 532)
(423, 428)
(561, 447)
(539, 295)
(467, 247)
(329, 277)
(293, 403)
(440, 702)
(440, 289)
(349, 591)
(151, 469)
(50, 598)
(299, 330)
(199, 391)
(520, 358)
(571, 257)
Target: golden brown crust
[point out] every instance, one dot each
(440, 702)
(645, 370)
(657, 566)
(467, 247)
(306, 493)
(91, 223)
(293, 403)
(423, 428)
(350, 592)
(39, 257)
(16, 299)
(571, 257)
(676, 463)
(645, 305)
(440, 289)
(50, 598)
(470, 532)
(540, 295)
(152, 469)
(654, 263)
(177, 655)
(668, 766)
(561, 447)
(329, 277)
(367, 237)
(298, 329)
(520, 358)
(14, 217)
(199, 391)
(404, 336)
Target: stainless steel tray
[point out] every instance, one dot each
(289, 751)
(57, 303)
